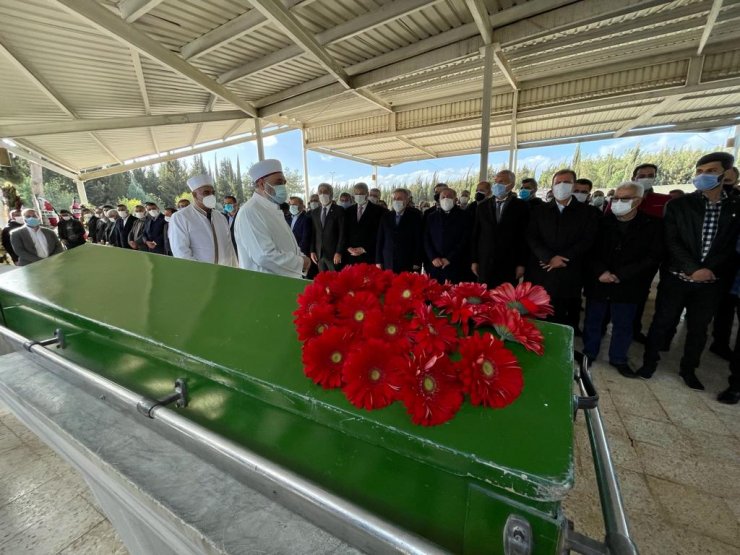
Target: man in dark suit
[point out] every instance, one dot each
(154, 229)
(231, 207)
(528, 192)
(16, 221)
(701, 231)
(447, 240)
(327, 242)
(560, 235)
(399, 245)
(499, 240)
(124, 224)
(361, 222)
(300, 224)
(90, 220)
(71, 231)
(32, 242)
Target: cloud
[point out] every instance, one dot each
(272, 140)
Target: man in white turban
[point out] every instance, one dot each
(199, 232)
(264, 241)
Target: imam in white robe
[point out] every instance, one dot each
(264, 240)
(193, 236)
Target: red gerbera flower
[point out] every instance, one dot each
(435, 290)
(474, 293)
(372, 375)
(510, 326)
(489, 371)
(462, 302)
(531, 337)
(407, 289)
(528, 299)
(314, 323)
(354, 309)
(324, 357)
(391, 325)
(433, 333)
(313, 295)
(367, 277)
(432, 394)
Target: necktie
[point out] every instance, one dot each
(359, 212)
(499, 207)
(323, 216)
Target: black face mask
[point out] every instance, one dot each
(436, 198)
(480, 196)
(728, 188)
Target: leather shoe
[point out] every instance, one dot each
(691, 380)
(645, 372)
(722, 351)
(640, 338)
(729, 396)
(624, 369)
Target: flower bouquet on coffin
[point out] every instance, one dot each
(385, 338)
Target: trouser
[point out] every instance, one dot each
(735, 362)
(567, 311)
(622, 316)
(724, 318)
(327, 264)
(639, 311)
(700, 301)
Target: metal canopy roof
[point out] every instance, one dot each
(92, 88)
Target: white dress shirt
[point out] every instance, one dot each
(263, 241)
(40, 242)
(193, 236)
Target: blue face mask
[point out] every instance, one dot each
(706, 181)
(229, 207)
(279, 193)
(498, 190)
(524, 194)
(345, 204)
(32, 222)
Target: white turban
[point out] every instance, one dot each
(265, 167)
(198, 181)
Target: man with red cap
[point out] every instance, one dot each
(263, 241)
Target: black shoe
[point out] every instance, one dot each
(729, 396)
(691, 380)
(624, 369)
(645, 372)
(640, 338)
(722, 351)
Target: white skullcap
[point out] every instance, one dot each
(198, 181)
(265, 167)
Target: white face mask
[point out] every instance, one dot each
(621, 207)
(598, 202)
(122, 213)
(580, 197)
(209, 201)
(447, 204)
(374, 200)
(19, 220)
(313, 205)
(66, 218)
(168, 219)
(398, 206)
(646, 182)
(154, 213)
(360, 199)
(562, 190)
(139, 215)
(294, 209)
(464, 201)
(325, 199)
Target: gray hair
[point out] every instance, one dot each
(112, 213)
(510, 174)
(361, 186)
(326, 186)
(401, 190)
(639, 189)
(27, 210)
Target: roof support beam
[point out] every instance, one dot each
(32, 155)
(480, 15)
(503, 65)
(346, 156)
(485, 126)
(109, 23)
(233, 129)
(647, 115)
(144, 95)
(711, 19)
(417, 146)
(514, 145)
(209, 107)
(107, 124)
(131, 10)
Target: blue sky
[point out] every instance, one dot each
(287, 148)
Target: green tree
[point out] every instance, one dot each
(173, 177)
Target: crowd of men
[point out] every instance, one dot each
(577, 243)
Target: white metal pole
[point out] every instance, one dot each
(81, 192)
(260, 145)
(305, 165)
(485, 129)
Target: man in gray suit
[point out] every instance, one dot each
(33, 242)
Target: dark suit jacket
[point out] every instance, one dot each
(25, 248)
(447, 235)
(110, 232)
(302, 231)
(123, 230)
(363, 233)
(570, 234)
(632, 251)
(71, 233)
(92, 227)
(399, 246)
(6, 239)
(154, 231)
(329, 239)
(499, 247)
(684, 219)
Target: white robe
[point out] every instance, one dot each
(264, 240)
(193, 237)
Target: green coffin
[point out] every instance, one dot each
(144, 320)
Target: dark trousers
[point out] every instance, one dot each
(639, 311)
(567, 311)
(622, 316)
(735, 360)
(700, 301)
(327, 264)
(724, 318)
